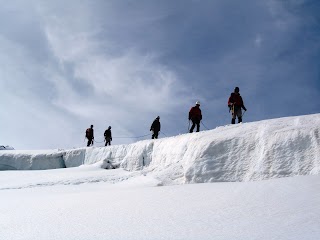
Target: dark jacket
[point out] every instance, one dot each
(89, 133)
(236, 100)
(155, 126)
(107, 134)
(195, 113)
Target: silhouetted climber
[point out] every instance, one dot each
(235, 103)
(90, 136)
(155, 127)
(195, 116)
(108, 136)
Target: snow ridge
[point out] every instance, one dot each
(243, 152)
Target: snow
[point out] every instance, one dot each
(259, 180)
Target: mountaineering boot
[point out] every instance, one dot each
(233, 121)
(239, 120)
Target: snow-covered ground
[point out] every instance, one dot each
(258, 180)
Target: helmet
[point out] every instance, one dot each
(109, 127)
(197, 102)
(158, 117)
(91, 126)
(236, 89)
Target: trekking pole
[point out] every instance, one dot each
(204, 125)
(163, 134)
(189, 126)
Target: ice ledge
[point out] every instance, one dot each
(251, 151)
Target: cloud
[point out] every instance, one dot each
(69, 64)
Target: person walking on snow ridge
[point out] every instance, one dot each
(195, 116)
(108, 136)
(155, 127)
(90, 135)
(235, 103)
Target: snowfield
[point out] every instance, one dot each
(260, 180)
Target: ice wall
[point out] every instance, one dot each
(242, 152)
(31, 160)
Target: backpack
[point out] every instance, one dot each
(88, 133)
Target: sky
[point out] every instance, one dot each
(65, 65)
(163, 190)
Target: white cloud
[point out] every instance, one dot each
(130, 80)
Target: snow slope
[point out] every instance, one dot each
(250, 151)
(91, 203)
